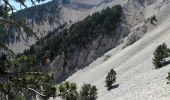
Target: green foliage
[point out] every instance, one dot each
(50, 91)
(19, 98)
(27, 82)
(32, 79)
(110, 78)
(4, 64)
(88, 92)
(5, 89)
(68, 91)
(23, 63)
(72, 95)
(160, 54)
(104, 22)
(4, 11)
(61, 88)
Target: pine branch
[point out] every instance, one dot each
(36, 91)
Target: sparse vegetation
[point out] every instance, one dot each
(168, 78)
(110, 79)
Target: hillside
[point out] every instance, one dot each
(49, 17)
(81, 40)
(137, 78)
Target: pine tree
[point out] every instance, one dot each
(88, 92)
(160, 54)
(61, 89)
(110, 78)
(68, 91)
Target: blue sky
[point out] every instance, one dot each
(28, 3)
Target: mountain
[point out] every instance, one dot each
(81, 40)
(53, 19)
(43, 19)
(137, 79)
(85, 47)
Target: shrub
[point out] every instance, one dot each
(110, 78)
(168, 78)
(160, 54)
(88, 92)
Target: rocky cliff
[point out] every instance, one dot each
(132, 23)
(57, 18)
(43, 19)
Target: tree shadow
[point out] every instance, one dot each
(153, 23)
(113, 87)
(165, 63)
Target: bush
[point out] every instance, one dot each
(88, 92)
(160, 54)
(168, 78)
(110, 78)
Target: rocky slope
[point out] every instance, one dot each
(130, 57)
(51, 15)
(137, 79)
(133, 23)
(74, 48)
(48, 17)
(45, 18)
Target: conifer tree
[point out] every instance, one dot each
(88, 92)
(110, 78)
(160, 54)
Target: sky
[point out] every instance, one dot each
(28, 3)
